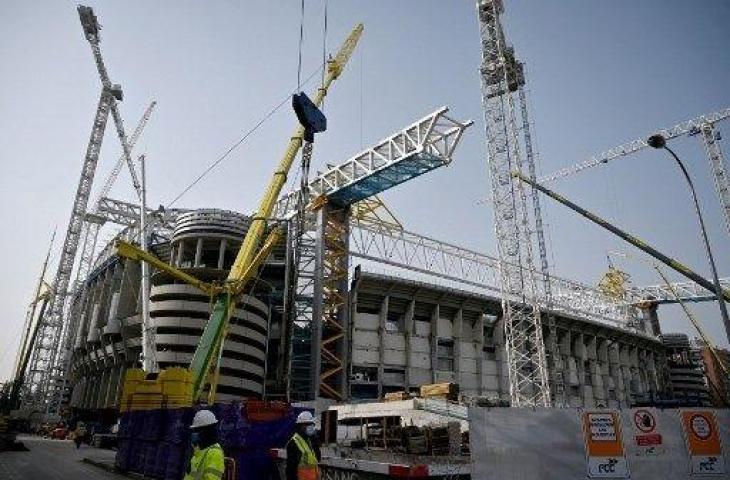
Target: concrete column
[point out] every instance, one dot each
(652, 318)
(222, 253)
(478, 336)
(381, 343)
(457, 325)
(434, 340)
(408, 333)
(198, 252)
(180, 252)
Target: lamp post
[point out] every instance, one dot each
(659, 142)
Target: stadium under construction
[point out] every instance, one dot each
(347, 305)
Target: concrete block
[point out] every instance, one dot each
(491, 382)
(468, 365)
(394, 357)
(367, 321)
(490, 367)
(395, 341)
(468, 350)
(467, 332)
(445, 328)
(468, 382)
(421, 360)
(420, 344)
(360, 356)
(419, 376)
(442, 376)
(365, 339)
(422, 328)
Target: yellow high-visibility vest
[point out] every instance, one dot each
(308, 468)
(206, 464)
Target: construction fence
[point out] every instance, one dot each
(561, 444)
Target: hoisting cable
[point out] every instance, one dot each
(324, 39)
(240, 141)
(301, 40)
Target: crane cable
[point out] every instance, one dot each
(301, 41)
(240, 141)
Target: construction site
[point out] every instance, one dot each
(416, 356)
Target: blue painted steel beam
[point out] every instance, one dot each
(394, 174)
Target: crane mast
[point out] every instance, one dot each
(46, 362)
(51, 325)
(501, 77)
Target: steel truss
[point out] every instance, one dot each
(703, 125)
(420, 257)
(692, 126)
(711, 139)
(687, 292)
(422, 146)
(501, 77)
(300, 351)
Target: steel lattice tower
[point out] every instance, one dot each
(501, 80)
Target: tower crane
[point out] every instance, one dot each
(703, 125)
(89, 236)
(44, 364)
(502, 79)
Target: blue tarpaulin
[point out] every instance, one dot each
(156, 443)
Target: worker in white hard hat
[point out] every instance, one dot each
(302, 454)
(207, 460)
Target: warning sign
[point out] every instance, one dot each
(646, 436)
(703, 442)
(644, 421)
(604, 446)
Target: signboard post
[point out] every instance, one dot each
(604, 445)
(703, 442)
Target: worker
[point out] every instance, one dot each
(207, 462)
(301, 452)
(80, 434)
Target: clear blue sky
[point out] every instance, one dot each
(599, 74)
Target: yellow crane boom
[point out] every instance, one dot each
(250, 257)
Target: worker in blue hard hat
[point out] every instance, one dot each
(207, 462)
(302, 455)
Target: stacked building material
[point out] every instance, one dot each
(396, 396)
(448, 391)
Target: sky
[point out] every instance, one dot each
(599, 74)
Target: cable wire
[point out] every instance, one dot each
(240, 141)
(324, 40)
(301, 40)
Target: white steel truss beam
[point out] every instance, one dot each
(689, 127)
(422, 146)
(417, 255)
(687, 292)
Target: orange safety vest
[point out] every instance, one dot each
(308, 468)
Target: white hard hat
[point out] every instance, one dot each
(203, 418)
(305, 417)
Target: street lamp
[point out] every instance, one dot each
(658, 141)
